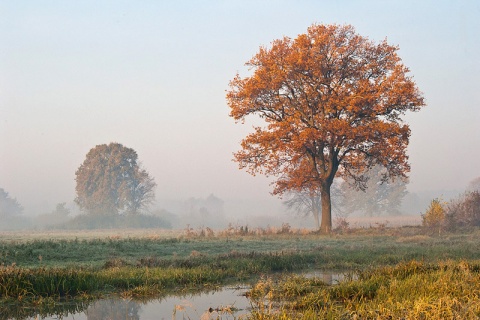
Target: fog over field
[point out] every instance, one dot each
(152, 76)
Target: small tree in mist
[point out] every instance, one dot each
(474, 185)
(11, 210)
(142, 192)
(376, 195)
(111, 181)
(61, 210)
(373, 196)
(58, 216)
(434, 217)
(206, 212)
(9, 206)
(309, 202)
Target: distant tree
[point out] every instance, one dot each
(215, 205)
(61, 210)
(58, 216)
(332, 102)
(169, 219)
(474, 185)
(207, 212)
(9, 206)
(376, 196)
(309, 202)
(142, 189)
(110, 181)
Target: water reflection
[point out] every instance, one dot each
(226, 303)
(329, 277)
(113, 309)
(52, 310)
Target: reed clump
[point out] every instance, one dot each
(146, 277)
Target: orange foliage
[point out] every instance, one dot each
(332, 103)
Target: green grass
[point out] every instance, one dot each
(333, 252)
(147, 277)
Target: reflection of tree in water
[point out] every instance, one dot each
(113, 310)
(59, 310)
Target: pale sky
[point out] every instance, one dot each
(152, 75)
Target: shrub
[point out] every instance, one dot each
(464, 212)
(342, 225)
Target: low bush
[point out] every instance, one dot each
(434, 217)
(464, 212)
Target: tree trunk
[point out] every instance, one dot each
(326, 226)
(315, 212)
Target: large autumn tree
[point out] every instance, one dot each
(111, 181)
(332, 102)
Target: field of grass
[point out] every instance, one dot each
(358, 249)
(38, 268)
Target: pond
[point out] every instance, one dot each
(227, 302)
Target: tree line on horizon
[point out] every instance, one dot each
(378, 199)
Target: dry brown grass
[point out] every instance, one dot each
(29, 235)
(419, 238)
(388, 221)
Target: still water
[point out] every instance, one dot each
(226, 303)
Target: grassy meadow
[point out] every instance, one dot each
(387, 268)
